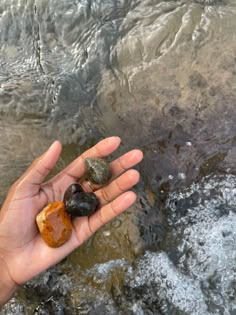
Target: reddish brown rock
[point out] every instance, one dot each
(54, 224)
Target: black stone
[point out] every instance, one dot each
(82, 204)
(70, 191)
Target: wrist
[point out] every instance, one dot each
(7, 286)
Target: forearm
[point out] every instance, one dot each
(7, 285)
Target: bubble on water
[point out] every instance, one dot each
(107, 233)
(137, 309)
(189, 144)
(207, 236)
(102, 272)
(156, 271)
(13, 307)
(116, 223)
(53, 279)
(182, 176)
(197, 274)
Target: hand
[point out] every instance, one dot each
(23, 253)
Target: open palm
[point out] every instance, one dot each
(21, 247)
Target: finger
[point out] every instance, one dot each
(117, 187)
(76, 169)
(110, 211)
(126, 161)
(118, 167)
(40, 168)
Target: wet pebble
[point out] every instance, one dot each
(54, 224)
(98, 171)
(79, 203)
(82, 204)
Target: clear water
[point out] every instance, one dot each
(161, 75)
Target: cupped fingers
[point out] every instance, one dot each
(126, 161)
(118, 166)
(118, 186)
(76, 169)
(110, 211)
(103, 148)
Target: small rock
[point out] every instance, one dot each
(82, 204)
(98, 170)
(54, 224)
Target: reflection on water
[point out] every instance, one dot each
(159, 74)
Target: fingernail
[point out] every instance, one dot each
(111, 139)
(130, 197)
(51, 146)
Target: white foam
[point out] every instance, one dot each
(202, 277)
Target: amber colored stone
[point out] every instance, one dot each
(54, 224)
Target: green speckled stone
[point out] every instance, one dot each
(98, 171)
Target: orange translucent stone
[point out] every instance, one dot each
(54, 224)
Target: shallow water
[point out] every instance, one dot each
(159, 74)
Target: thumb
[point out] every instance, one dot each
(41, 167)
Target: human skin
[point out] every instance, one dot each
(23, 253)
